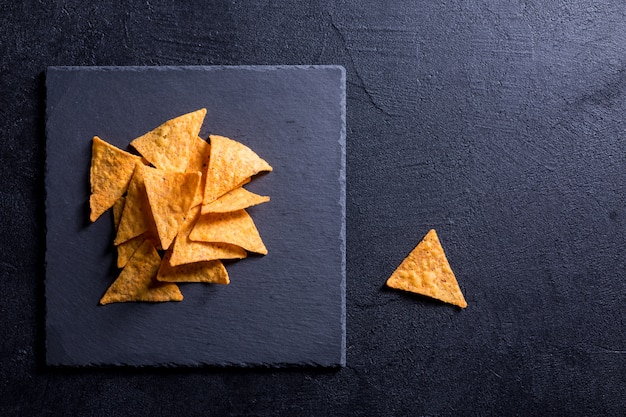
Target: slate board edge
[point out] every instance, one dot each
(342, 202)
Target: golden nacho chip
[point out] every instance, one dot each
(137, 215)
(185, 250)
(137, 281)
(234, 200)
(208, 271)
(168, 146)
(109, 175)
(426, 271)
(230, 164)
(170, 195)
(236, 228)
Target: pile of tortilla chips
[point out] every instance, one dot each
(178, 209)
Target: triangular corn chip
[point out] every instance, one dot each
(236, 228)
(209, 271)
(426, 271)
(230, 164)
(137, 215)
(170, 195)
(168, 146)
(234, 200)
(137, 281)
(184, 250)
(109, 175)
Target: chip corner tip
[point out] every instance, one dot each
(94, 215)
(389, 283)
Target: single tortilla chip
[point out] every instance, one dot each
(234, 200)
(168, 147)
(109, 175)
(137, 216)
(137, 281)
(426, 271)
(170, 195)
(199, 162)
(230, 164)
(185, 250)
(236, 228)
(209, 271)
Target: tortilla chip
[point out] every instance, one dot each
(137, 281)
(199, 162)
(234, 200)
(209, 271)
(230, 164)
(185, 250)
(168, 147)
(109, 175)
(426, 271)
(170, 195)
(137, 215)
(236, 228)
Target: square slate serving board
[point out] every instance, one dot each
(285, 308)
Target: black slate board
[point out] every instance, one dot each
(286, 308)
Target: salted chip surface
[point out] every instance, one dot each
(199, 155)
(109, 175)
(199, 162)
(207, 271)
(234, 200)
(230, 164)
(168, 146)
(118, 208)
(236, 228)
(137, 281)
(170, 195)
(185, 250)
(426, 271)
(137, 216)
(126, 249)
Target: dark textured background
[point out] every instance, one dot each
(501, 124)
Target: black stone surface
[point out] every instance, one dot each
(286, 308)
(501, 124)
